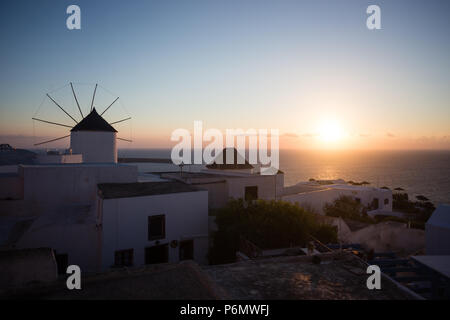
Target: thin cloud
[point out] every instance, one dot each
(364, 135)
(390, 135)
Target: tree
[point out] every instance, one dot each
(346, 207)
(422, 198)
(267, 224)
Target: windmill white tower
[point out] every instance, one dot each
(93, 136)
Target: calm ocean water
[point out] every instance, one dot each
(418, 172)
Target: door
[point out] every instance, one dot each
(157, 254)
(187, 250)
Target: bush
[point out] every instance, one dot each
(416, 211)
(267, 224)
(347, 207)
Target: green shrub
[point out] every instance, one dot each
(347, 207)
(267, 224)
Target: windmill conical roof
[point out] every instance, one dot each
(93, 122)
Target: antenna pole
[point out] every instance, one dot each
(109, 106)
(93, 97)
(58, 124)
(75, 96)
(61, 108)
(121, 120)
(36, 144)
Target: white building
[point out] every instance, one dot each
(314, 195)
(152, 222)
(232, 178)
(94, 212)
(437, 232)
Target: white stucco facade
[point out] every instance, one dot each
(224, 185)
(437, 232)
(316, 199)
(95, 146)
(59, 158)
(125, 224)
(71, 183)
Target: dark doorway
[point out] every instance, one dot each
(157, 254)
(156, 227)
(251, 193)
(62, 262)
(375, 204)
(187, 250)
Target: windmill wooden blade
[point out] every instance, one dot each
(127, 140)
(93, 96)
(37, 144)
(120, 120)
(76, 100)
(61, 108)
(109, 106)
(50, 122)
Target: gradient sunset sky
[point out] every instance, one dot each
(302, 67)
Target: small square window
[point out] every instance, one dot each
(156, 227)
(386, 201)
(123, 258)
(251, 193)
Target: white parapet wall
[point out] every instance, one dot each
(71, 183)
(59, 158)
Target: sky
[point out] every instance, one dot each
(311, 69)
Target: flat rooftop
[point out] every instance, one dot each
(140, 189)
(69, 165)
(183, 281)
(440, 264)
(339, 276)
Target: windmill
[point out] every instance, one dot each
(91, 136)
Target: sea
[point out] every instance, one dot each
(417, 172)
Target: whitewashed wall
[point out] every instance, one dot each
(437, 240)
(317, 199)
(267, 186)
(80, 241)
(71, 183)
(11, 186)
(125, 224)
(95, 146)
(59, 158)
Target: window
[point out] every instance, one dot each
(156, 227)
(157, 254)
(62, 262)
(123, 258)
(251, 193)
(187, 250)
(358, 200)
(386, 201)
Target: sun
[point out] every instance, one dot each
(330, 130)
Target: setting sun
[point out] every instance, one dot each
(330, 130)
